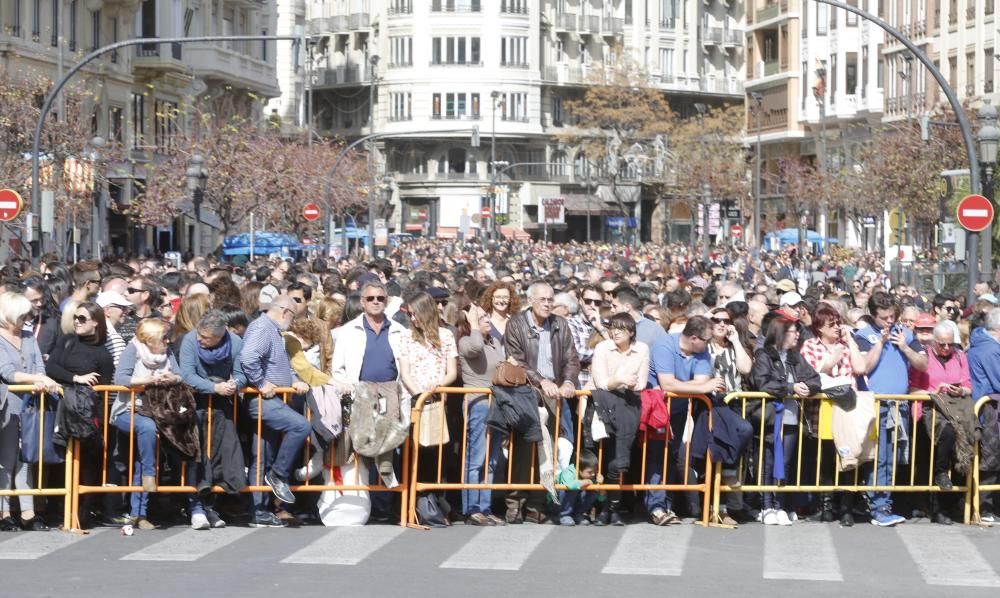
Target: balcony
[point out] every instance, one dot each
(454, 64)
(516, 118)
(454, 6)
(565, 73)
(733, 37)
(337, 24)
(400, 9)
(590, 24)
(711, 35)
(158, 57)
(668, 24)
(234, 66)
(566, 21)
(359, 20)
(341, 75)
(456, 117)
(512, 8)
(771, 67)
(720, 86)
(514, 65)
(613, 26)
(771, 11)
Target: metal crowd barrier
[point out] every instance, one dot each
(460, 393)
(801, 480)
(977, 486)
(107, 396)
(41, 489)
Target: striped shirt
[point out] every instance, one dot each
(114, 343)
(263, 357)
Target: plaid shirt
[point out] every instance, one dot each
(815, 352)
(582, 330)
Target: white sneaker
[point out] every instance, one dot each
(782, 517)
(770, 517)
(199, 521)
(792, 516)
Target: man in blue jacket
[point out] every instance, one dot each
(984, 370)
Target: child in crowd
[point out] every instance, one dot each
(576, 501)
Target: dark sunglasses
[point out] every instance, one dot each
(442, 302)
(131, 290)
(721, 320)
(81, 319)
(297, 299)
(375, 298)
(593, 301)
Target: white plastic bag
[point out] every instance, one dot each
(349, 507)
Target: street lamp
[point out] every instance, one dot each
(705, 192)
(819, 92)
(758, 100)
(373, 61)
(496, 97)
(197, 176)
(989, 139)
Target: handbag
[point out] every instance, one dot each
(509, 374)
(433, 425)
(432, 511)
(35, 421)
(839, 390)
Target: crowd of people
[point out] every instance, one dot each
(358, 341)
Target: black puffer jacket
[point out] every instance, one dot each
(769, 375)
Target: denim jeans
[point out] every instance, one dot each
(881, 473)
(478, 501)
(284, 434)
(573, 503)
(145, 458)
(789, 440)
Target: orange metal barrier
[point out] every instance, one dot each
(459, 393)
(41, 489)
(812, 481)
(107, 395)
(977, 486)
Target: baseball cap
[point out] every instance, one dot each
(109, 298)
(791, 299)
(989, 297)
(925, 320)
(785, 286)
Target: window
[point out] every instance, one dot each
(852, 19)
(115, 120)
(988, 78)
(72, 26)
(515, 106)
(166, 124)
(805, 82)
(95, 30)
(628, 12)
(514, 51)
(557, 110)
(436, 106)
(803, 19)
(822, 18)
(668, 14)
(55, 23)
(667, 64)
(451, 50)
(864, 71)
(401, 50)
(970, 74)
(138, 119)
(514, 6)
(400, 106)
(457, 106)
(851, 73)
(114, 37)
(455, 5)
(15, 28)
(831, 77)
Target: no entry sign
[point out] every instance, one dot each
(975, 213)
(310, 212)
(10, 204)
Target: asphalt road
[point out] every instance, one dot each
(807, 559)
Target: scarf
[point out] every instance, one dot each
(152, 362)
(218, 353)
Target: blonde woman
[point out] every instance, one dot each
(147, 361)
(192, 308)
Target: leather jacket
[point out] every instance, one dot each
(521, 342)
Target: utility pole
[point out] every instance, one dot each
(820, 95)
(758, 99)
(373, 61)
(705, 189)
(495, 97)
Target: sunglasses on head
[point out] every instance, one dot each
(375, 299)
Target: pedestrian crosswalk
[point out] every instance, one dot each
(933, 555)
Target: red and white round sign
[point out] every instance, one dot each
(975, 213)
(735, 230)
(485, 212)
(11, 204)
(311, 212)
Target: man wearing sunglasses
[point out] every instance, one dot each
(301, 294)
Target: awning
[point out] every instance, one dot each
(514, 233)
(447, 232)
(580, 204)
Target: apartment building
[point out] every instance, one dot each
(142, 87)
(435, 69)
(814, 88)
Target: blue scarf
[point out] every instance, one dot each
(217, 354)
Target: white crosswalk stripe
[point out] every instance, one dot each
(345, 545)
(30, 546)
(804, 552)
(189, 545)
(650, 550)
(499, 548)
(947, 557)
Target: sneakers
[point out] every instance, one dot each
(143, 523)
(200, 522)
(265, 519)
(213, 519)
(115, 520)
(782, 518)
(582, 520)
(987, 518)
(886, 519)
(279, 487)
(567, 520)
(770, 517)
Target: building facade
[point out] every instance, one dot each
(426, 73)
(142, 88)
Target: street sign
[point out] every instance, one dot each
(735, 230)
(10, 204)
(733, 213)
(975, 213)
(485, 212)
(311, 212)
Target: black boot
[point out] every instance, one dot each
(603, 513)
